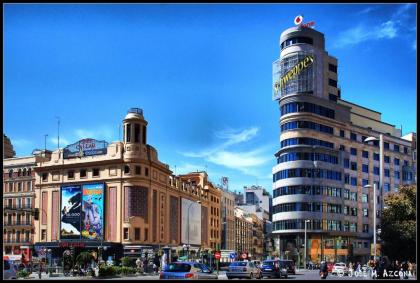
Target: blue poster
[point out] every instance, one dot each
(92, 211)
(71, 205)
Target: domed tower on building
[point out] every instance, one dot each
(8, 151)
(135, 133)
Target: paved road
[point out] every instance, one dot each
(300, 275)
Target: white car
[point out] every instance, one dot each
(9, 270)
(340, 268)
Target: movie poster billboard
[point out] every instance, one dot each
(71, 205)
(92, 211)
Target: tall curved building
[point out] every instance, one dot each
(323, 163)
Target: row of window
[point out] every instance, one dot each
(18, 187)
(314, 224)
(307, 190)
(305, 141)
(308, 173)
(307, 206)
(21, 173)
(296, 40)
(96, 172)
(292, 156)
(126, 232)
(306, 107)
(306, 125)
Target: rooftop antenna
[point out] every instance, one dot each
(58, 131)
(45, 143)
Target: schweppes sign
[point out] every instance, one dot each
(293, 72)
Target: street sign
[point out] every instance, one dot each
(232, 255)
(217, 255)
(244, 255)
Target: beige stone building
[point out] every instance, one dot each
(257, 247)
(243, 232)
(228, 218)
(131, 203)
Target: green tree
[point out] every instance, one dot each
(398, 224)
(84, 259)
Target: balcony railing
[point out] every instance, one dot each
(17, 241)
(22, 206)
(18, 223)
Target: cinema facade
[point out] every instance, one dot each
(323, 163)
(118, 199)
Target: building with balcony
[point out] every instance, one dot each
(19, 206)
(228, 220)
(323, 163)
(243, 232)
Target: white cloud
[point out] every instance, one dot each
(246, 162)
(365, 11)
(387, 30)
(63, 141)
(21, 142)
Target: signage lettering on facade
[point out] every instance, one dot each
(306, 62)
(85, 147)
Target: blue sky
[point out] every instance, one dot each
(201, 73)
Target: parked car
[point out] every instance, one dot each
(243, 269)
(340, 268)
(9, 270)
(290, 266)
(273, 268)
(330, 266)
(187, 270)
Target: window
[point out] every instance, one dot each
(296, 40)
(332, 97)
(353, 196)
(376, 156)
(44, 176)
(307, 107)
(365, 168)
(396, 174)
(44, 234)
(386, 172)
(365, 198)
(70, 174)
(332, 68)
(146, 171)
(332, 82)
(396, 161)
(342, 133)
(95, 172)
(29, 172)
(136, 133)
(353, 166)
(10, 173)
(83, 173)
(128, 133)
(126, 169)
(137, 234)
(405, 162)
(396, 148)
(365, 182)
(353, 211)
(29, 185)
(405, 150)
(365, 230)
(346, 163)
(365, 212)
(346, 179)
(138, 170)
(346, 193)
(353, 181)
(342, 147)
(19, 172)
(365, 154)
(353, 151)
(19, 186)
(386, 159)
(346, 210)
(126, 234)
(306, 125)
(353, 136)
(386, 145)
(376, 170)
(387, 186)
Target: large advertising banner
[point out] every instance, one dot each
(93, 211)
(193, 209)
(71, 204)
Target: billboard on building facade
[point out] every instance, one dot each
(190, 222)
(85, 147)
(93, 211)
(71, 205)
(293, 73)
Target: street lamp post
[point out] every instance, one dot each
(304, 255)
(381, 172)
(188, 228)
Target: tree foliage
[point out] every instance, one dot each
(398, 224)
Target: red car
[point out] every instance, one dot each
(330, 266)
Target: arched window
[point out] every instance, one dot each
(11, 173)
(29, 172)
(19, 172)
(24, 172)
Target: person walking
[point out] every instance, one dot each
(145, 262)
(156, 264)
(139, 264)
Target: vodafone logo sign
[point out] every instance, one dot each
(298, 20)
